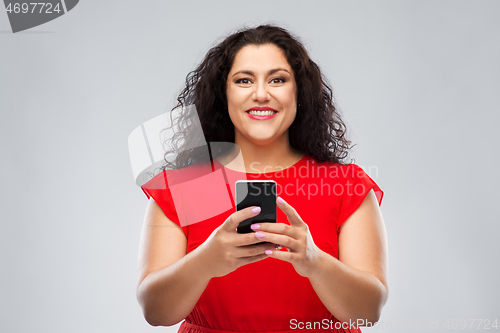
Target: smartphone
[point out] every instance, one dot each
(260, 193)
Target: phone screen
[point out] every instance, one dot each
(256, 193)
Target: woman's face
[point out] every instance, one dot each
(261, 79)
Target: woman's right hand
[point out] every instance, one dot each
(225, 249)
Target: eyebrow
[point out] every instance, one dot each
(272, 71)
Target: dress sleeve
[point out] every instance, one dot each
(357, 186)
(157, 188)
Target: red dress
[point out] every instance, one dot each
(268, 295)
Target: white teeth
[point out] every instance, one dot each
(262, 113)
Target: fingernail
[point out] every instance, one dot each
(280, 200)
(255, 226)
(278, 247)
(259, 234)
(268, 252)
(256, 210)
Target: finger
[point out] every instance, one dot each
(252, 250)
(249, 260)
(234, 219)
(288, 242)
(290, 212)
(277, 228)
(281, 255)
(242, 240)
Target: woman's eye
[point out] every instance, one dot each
(243, 81)
(278, 80)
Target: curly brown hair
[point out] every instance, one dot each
(317, 130)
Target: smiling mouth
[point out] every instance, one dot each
(261, 113)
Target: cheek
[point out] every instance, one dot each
(229, 95)
(230, 101)
(232, 106)
(291, 100)
(289, 97)
(234, 99)
(292, 117)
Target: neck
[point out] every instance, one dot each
(253, 158)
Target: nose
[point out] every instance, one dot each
(261, 94)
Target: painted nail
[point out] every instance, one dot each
(256, 210)
(268, 252)
(259, 234)
(280, 200)
(255, 226)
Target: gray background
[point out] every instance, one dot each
(418, 82)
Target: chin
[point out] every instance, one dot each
(261, 137)
(262, 141)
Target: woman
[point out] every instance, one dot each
(259, 89)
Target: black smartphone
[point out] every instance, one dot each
(260, 193)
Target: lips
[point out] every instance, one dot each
(261, 113)
(261, 108)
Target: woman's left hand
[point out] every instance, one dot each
(302, 253)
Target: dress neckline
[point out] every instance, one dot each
(296, 164)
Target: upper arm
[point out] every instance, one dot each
(162, 241)
(363, 240)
